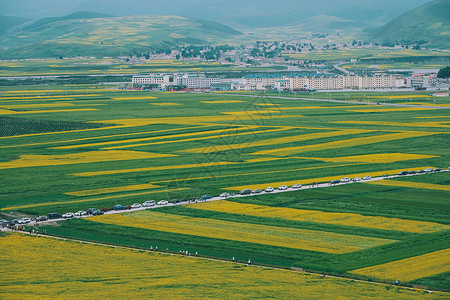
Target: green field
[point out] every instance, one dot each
(139, 146)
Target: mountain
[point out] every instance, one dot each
(235, 13)
(7, 23)
(93, 34)
(430, 22)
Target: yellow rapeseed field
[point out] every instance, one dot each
(26, 161)
(125, 188)
(252, 233)
(164, 191)
(166, 104)
(390, 109)
(19, 106)
(161, 168)
(302, 215)
(343, 143)
(163, 137)
(46, 268)
(414, 185)
(198, 138)
(412, 124)
(318, 179)
(222, 101)
(375, 158)
(410, 268)
(13, 112)
(276, 141)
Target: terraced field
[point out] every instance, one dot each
(75, 148)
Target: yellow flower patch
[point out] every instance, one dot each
(252, 233)
(343, 143)
(117, 189)
(166, 104)
(301, 215)
(276, 141)
(390, 109)
(165, 191)
(414, 185)
(410, 268)
(26, 161)
(12, 112)
(375, 158)
(135, 98)
(115, 272)
(319, 179)
(222, 101)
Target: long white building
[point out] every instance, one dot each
(191, 81)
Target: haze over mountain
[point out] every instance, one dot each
(235, 13)
(430, 23)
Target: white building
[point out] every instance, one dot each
(191, 81)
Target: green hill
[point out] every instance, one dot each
(91, 34)
(430, 22)
(7, 23)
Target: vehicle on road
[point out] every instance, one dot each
(80, 213)
(136, 205)
(335, 181)
(68, 215)
(256, 191)
(403, 173)
(436, 170)
(356, 179)
(205, 197)
(297, 186)
(428, 170)
(245, 192)
(24, 221)
(269, 189)
(163, 202)
(367, 177)
(52, 216)
(119, 207)
(345, 179)
(283, 187)
(225, 195)
(175, 201)
(41, 218)
(97, 212)
(420, 171)
(149, 203)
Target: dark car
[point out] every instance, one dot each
(119, 207)
(54, 216)
(403, 173)
(437, 170)
(412, 172)
(91, 210)
(336, 181)
(41, 218)
(175, 201)
(245, 192)
(97, 212)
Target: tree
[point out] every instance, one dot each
(444, 72)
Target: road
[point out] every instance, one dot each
(218, 198)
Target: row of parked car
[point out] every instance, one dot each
(427, 170)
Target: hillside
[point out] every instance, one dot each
(430, 22)
(8, 22)
(90, 34)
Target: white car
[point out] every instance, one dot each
(283, 187)
(356, 179)
(297, 186)
(428, 170)
(163, 202)
(24, 221)
(148, 203)
(225, 195)
(269, 189)
(136, 205)
(80, 213)
(367, 177)
(68, 215)
(345, 179)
